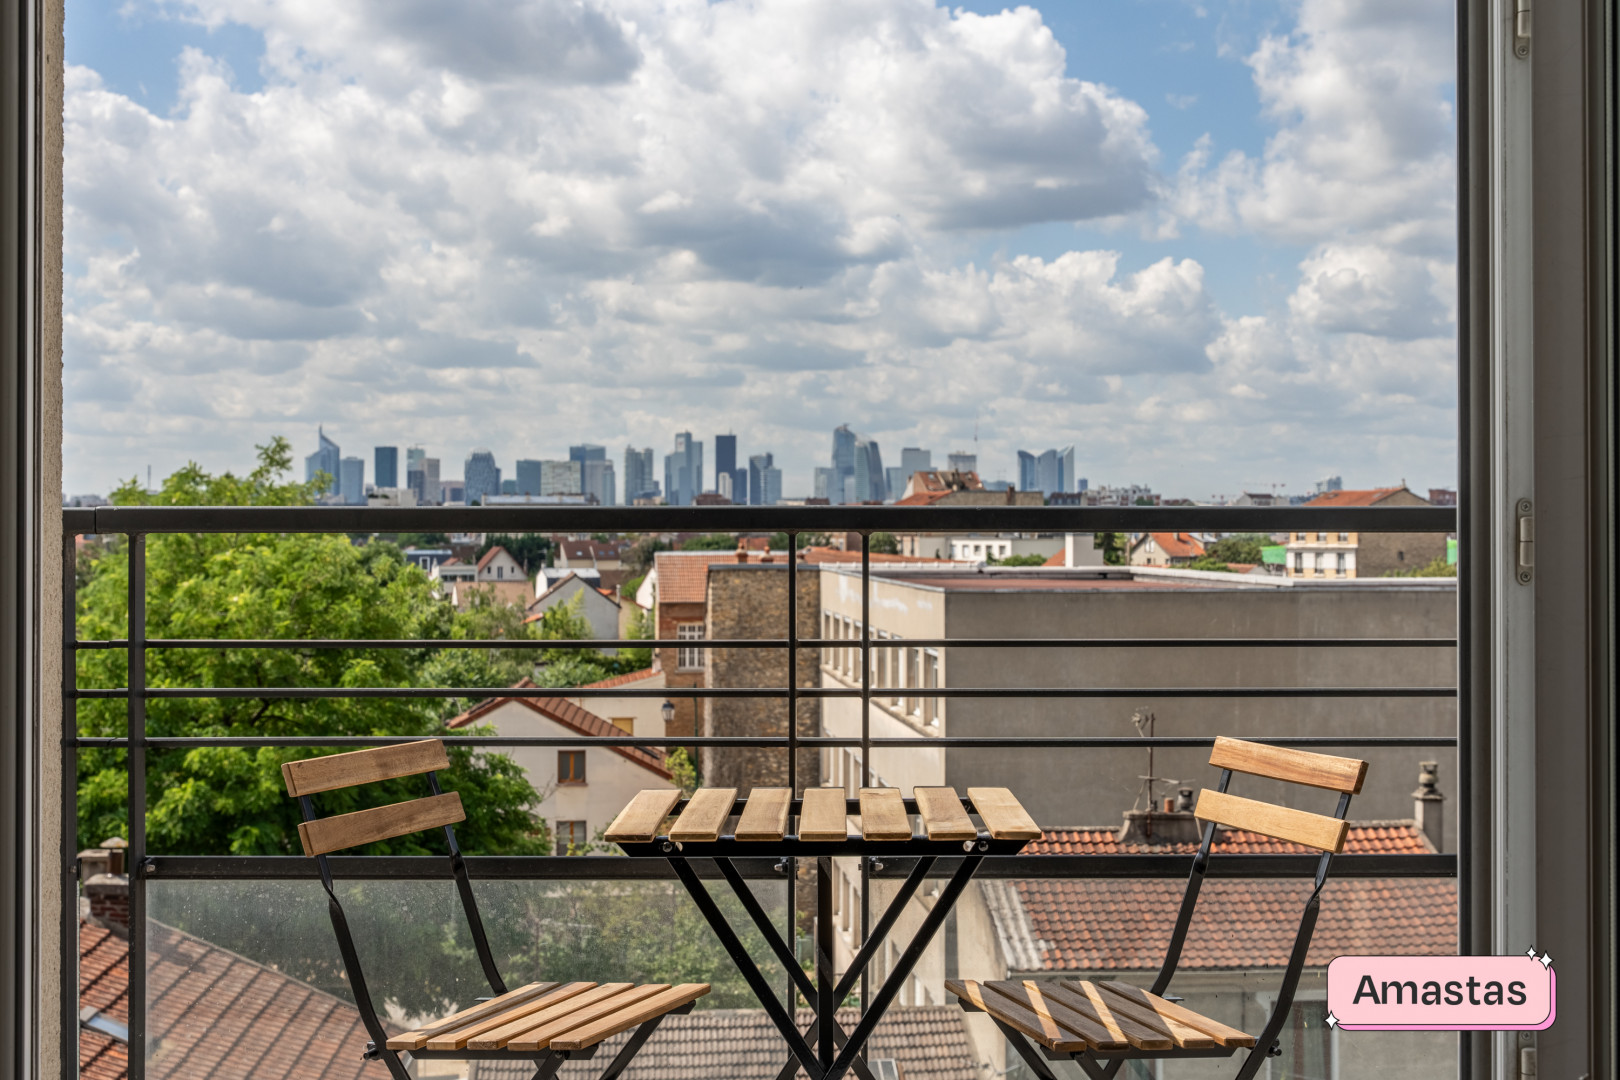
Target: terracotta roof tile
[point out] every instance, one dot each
(1354, 498)
(1177, 545)
(490, 555)
(569, 715)
(1058, 558)
(1364, 838)
(214, 1014)
(928, 1043)
(622, 680)
(683, 576)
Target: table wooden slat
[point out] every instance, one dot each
(1033, 996)
(540, 1038)
(556, 1001)
(1226, 1036)
(1138, 1034)
(638, 822)
(705, 815)
(1187, 1037)
(415, 1040)
(629, 1016)
(1043, 1030)
(822, 816)
(495, 1036)
(765, 814)
(1004, 816)
(883, 815)
(1104, 1018)
(942, 814)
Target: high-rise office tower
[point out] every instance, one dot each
(638, 474)
(1049, 472)
(894, 478)
(868, 473)
(430, 481)
(326, 459)
(764, 481)
(843, 465)
(828, 485)
(415, 476)
(352, 480)
(562, 478)
(509, 487)
(481, 476)
(913, 460)
(386, 468)
(528, 477)
(597, 479)
(725, 464)
(587, 452)
(683, 470)
(963, 461)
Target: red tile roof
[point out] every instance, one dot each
(1354, 498)
(922, 498)
(1125, 924)
(569, 715)
(213, 1015)
(622, 680)
(1177, 545)
(928, 1043)
(1058, 558)
(683, 576)
(816, 555)
(490, 554)
(1364, 838)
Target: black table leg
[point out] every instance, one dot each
(902, 969)
(750, 971)
(826, 1002)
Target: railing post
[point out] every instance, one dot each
(70, 809)
(137, 806)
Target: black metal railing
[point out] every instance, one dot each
(136, 523)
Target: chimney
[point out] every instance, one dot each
(742, 552)
(1165, 826)
(104, 885)
(1428, 805)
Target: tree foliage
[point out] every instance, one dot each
(531, 550)
(710, 542)
(779, 540)
(885, 543)
(1207, 561)
(1244, 548)
(639, 559)
(1112, 545)
(1018, 560)
(1436, 567)
(230, 800)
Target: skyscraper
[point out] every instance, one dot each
(352, 481)
(913, 460)
(840, 489)
(828, 485)
(597, 479)
(683, 470)
(725, 464)
(869, 482)
(387, 466)
(481, 476)
(638, 474)
(528, 477)
(764, 481)
(894, 478)
(962, 461)
(1052, 471)
(587, 452)
(326, 459)
(562, 477)
(430, 481)
(415, 475)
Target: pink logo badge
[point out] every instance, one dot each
(1442, 993)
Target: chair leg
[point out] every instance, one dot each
(631, 1048)
(1093, 1069)
(549, 1066)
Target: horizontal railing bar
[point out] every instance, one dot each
(357, 692)
(732, 519)
(609, 868)
(1102, 742)
(781, 643)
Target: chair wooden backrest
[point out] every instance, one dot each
(322, 836)
(1321, 832)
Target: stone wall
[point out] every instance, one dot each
(751, 601)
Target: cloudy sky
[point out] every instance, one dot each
(1211, 245)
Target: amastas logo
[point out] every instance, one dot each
(1442, 993)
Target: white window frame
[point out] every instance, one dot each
(689, 659)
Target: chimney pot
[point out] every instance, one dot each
(1428, 804)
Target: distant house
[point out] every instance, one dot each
(590, 554)
(584, 788)
(946, 487)
(497, 574)
(635, 715)
(1165, 549)
(1347, 555)
(599, 605)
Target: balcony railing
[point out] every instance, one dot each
(135, 524)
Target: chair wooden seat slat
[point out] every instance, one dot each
(883, 815)
(1170, 1010)
(1138, 1023)
(539, 1038)
(1043, 1029)
(628, 1017)
(1043, 1001)
(492, 1032)
(942, 815)
(1003, 815)
(765, 814)
(704, 816)
(638, 823)
(416, 1040)
(525, 1020)
(822, 816)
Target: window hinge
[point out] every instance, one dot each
(1526, 546)
(1521, 28)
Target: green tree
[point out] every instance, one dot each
(230, 800)
(1244, 548)
(1437, 567)
(531, 550)
(1018, 560)
(639, 559)
(885, 543)
(1209, 562)
(1113, 548)
(629, 589)
(779, 540)
(711, 542)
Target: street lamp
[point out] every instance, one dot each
(668, 709)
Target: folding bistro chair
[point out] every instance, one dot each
(1104, 1024)
(546, 1022)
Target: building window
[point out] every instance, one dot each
(915, 678)
(570, 766)
(571, 838)
(1299, 562)
(1321, 537)
(1342, 562)
(626, 724)
(688, 659)
(931, 676)
(1344, 538)
(1318, 562)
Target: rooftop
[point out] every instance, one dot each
(569, 715)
